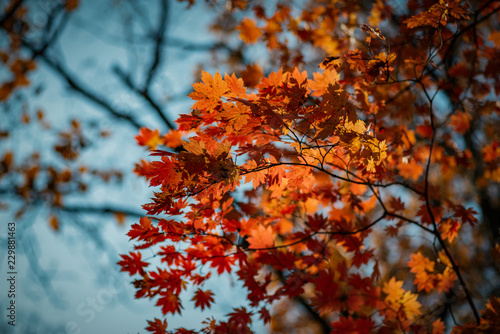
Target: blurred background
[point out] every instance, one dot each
(87, 76)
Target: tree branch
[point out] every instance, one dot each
(79, 87)
(160, 40)
(11, 12)
(145, 94)
(106, 209)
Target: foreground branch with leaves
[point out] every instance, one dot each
(335, 190)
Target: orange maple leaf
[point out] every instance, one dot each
(173, 138)
(446, 280)
(249, 32)
(460, 122)
(262, 237)
(208, 94)
(393, 289)
(322, 80)
(147, 137)
(424, 281)
(420, 263)
(449, 229)
(438, 327)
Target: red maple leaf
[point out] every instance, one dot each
(132, 263)
(157, 326)
(203, 298)
(169, 302)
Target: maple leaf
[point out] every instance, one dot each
(169, 302)
(208, 94)
(147, 137)
(203, 298)
(197, 147)
(396, 204)
(419, 263)
(157, 326)
(426, 218)
(257, 177)
(492, 312)
(251, 75)
(351, 325)
(425, 281)
(393, 289)
(411, 306)
(222, 263)
(425, 131)
(132, 263)
(393, 231)
(446, 280)
(235, 85)
(264, 315)
(249, 32)
(261, 237)
(410, 170)
(466, 215)
(322, 80)
(460, 122)
(241, 317)
(449, 229)
(362, 257)
(170, 255)
(172, 139)
(438, 327)
(439, 14)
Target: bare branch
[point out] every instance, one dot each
(159, 42)
(81, 88)
(105, 209)
(143, 93)
(11, 12)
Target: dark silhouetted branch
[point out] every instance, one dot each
(11, 12)
(145, 94)
(79, 87)
(100, 210)
(159, 42)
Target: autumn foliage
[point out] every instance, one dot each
(352, 192)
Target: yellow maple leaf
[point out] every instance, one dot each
(411, 306)
(393, 289)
